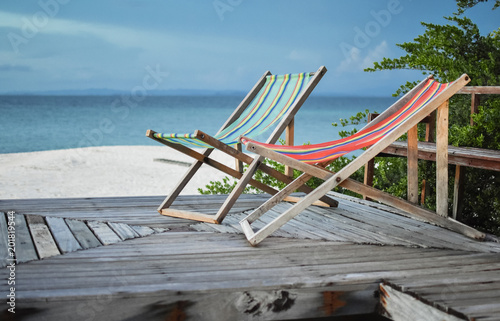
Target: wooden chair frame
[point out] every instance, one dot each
(440, 102)
(254, 163)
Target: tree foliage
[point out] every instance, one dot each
(463, 5)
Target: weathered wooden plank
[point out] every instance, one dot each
(244, 304)
(201, 262)
(374, 232)
(470, 274)
(346, 227)
(442, 160)
(398, 306)
(463, 156)
(83, 234)
(124, 231)
(480, 90)
(143, 230)
(104, 233)
(4, 252)
(65, 239)
(457, 290)
(42, 238)
(25, 250)
(405, 230)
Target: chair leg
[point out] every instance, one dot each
(268, 229)
(180, 186)
(238, 189)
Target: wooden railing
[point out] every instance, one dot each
(461, 157)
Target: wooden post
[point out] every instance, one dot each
(473, 106)
(430, 128)
(289, 138)
(458, 192)
(238, 163)
(424, 192)
(430, 136)
(370, 166)
(413, 164)
(369, 172)
(442, 160)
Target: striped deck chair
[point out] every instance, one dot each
(403, 116)
(272, 103)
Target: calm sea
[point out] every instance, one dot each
(36, 123)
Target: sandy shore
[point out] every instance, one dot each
(100, 172)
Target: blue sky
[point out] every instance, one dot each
(211, 44)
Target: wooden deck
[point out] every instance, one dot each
(118, 259)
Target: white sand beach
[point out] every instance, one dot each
(100, 172)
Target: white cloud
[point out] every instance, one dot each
(29, 27)
(356, 61)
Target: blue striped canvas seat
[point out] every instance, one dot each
(272, 102)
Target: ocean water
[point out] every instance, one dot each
(36, 123)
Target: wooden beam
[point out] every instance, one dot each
(430, 136)
(412, 164)
(238, 163)
(463, 156)
(474, 107)
(399, 306)
(442, 160)
(189, 215)
(458, 192)
(289, 139)
(430, 128)
(369, 173)
(480, 90)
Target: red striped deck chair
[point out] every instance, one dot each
(271, 104)
(403, 116)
